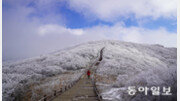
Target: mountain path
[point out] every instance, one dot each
(83, 90)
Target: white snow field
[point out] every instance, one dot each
(124, 64)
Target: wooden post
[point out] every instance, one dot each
(45, 99)
(61, 90)
(55, 93)
(66, 87)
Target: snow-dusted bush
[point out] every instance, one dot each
(48, 86)
(131, 64)
(18, 74)
(138, 65)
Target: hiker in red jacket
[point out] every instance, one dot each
(88, 74)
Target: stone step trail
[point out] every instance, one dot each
(83, 90)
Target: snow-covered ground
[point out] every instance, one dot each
(128, 64)
(137, 65)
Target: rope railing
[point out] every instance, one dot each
(94, 80)
(65, 88)
(59, 92)
(95, 86)
(96, 90)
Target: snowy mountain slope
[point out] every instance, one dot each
(45, 66)
(127, 63)
(137, 65)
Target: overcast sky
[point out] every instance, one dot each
(35, 27)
